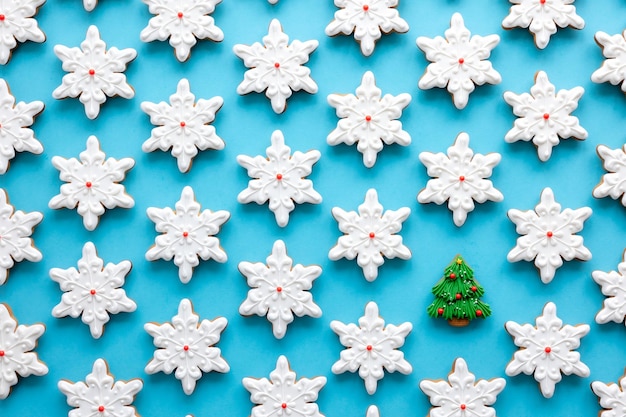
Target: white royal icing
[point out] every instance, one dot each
(183, 22)
(186, 346)
(369, 119)
(613, 69)
(183, 125)
(460, 178)
(282, 395)
(187, 234)
(370, 234)
(613, 286)
(461, 395)
(549, 235)
(89, 5)
(370, 347)
(94, 72)
(280, 178)
(366, 18)
(276, 67)
(16, 345)
(613, 183)
(93, 291)
(547, 350)
(279, 289)
(372, 411)
(458, 61)
(611, 397)
(541, 17)
(18, 25)
(92, 184)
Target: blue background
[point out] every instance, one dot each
(402, 289)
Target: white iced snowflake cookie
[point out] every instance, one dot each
(18, 25)
(611, 397)
(369, 119)
(613, 69)
(93, 291)
(612, 184)
(279, 289)
(183, 22)
(94, 72)
(16, 356)
(613, 286)
(16, 227)
(460, 178)
(282, 394)
(186, 346)
(280, 178)
(187, 234)
(183, 125)
(366, 18)
(461, 395)
(92, 184)
(458, 61)
(541, 17)
(276, 67)
(549, 235)
(370, 234)
(371, 347)
(100, 394)
(544, 116)
(547, 350)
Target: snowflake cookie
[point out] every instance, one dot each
(541, 17)
(547, 350)
(183, 125)
(370, 234)
(18, 25)
(458, 61)
(613, 69)
(280, 178)
(187, 346)
(183, 22)
(94, 72)
(369, 119)
(612, 184)
(16, 356)
(613, 286)
(366, 18)
(92, 184)
(461, 395)
(100, 394)
(187, 234)
(279, 289)
(549, 235)
(93, 291)
(282, 394)
(16, 227)
(611, 396)
(276, 67)
(370, 347)
(460, 178)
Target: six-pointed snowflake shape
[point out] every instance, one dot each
(547, 349)
(548, 235)
(183, 125)
(276, 67)
(92, 183)
(15, 230)
(187, 346)
(370, 234)
(100, 394)
(94, 72)
(545, 115)
(371, 347)
(280, 178)
(16, 356)
(612, 184)
(613, 69)
(183, 21)
(93, 291)
(459, 178)
(279, 289)
(541, 17)
(90, 4)
(369, 119)
(458, 61)
(187, 234)
(613, 285)
(462, 396)
(366, 18)
(17, 25)
(282, 395)
(611, 396)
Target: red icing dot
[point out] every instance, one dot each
(461, 61)
(185, 234)
(92, 71)
(101, 409)
(1, 353)
(463, 406)
(183, 124)
(277, 65)
(479, 313)
(372, 235)
(548, 349)
(88, 184)
(185, 348)
(284, 405)
(549, 234)
(279, 289)
(368, 347)
(440, 311)
(546, 116)
(366, 7)
(474, 288)
(279, 177)
(368, 118)
(92, 292)
(462, 178)
(453, 276)
(458, 296)
(1, 17)
(180, 15)
(542, 1)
